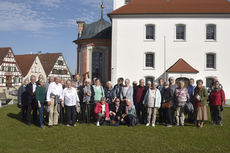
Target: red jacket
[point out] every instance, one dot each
(98, 109)
(217, 98)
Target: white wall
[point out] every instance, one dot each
(129, 46)
(118, 3)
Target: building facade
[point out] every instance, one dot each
(10, 73)
(150, 37)
(94, 49)
(30, 64)
(55, 65)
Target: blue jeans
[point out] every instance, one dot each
(41, 114)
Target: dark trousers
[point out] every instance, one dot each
(162, 115)
(217, 114)
(90, 112)
(61, 114)
(23, 113)
(168, 114)
(140, 112)
(212, 113)
(27, 109)
(83, 110)
(70, 114)
(41, 110)
(34, 106)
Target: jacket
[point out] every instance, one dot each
(157, 100)
(40, 94)
(217, 98)
(22, 96)
(98, 109)
(119, 112)
(203, 93)
(30, 95)
(142, 96)
(168, 96)
(128, 94)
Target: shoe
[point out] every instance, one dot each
(182, 124)
(98, 123)
(169, 125)
(42, 127)
(75, 125)
(153, 125)
(67, 125)
(50, 126)
(147, 124)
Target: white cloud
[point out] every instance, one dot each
(51, 3)
(19, 16)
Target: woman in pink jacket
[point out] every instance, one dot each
(101, 111)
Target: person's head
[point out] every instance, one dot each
(33, 79)
(103, 100)
(215, 79)
(68, 84)
(120, 81)
(149, 84)
(77, 77)
(128, 102)
(94, 80)
(171, 80)
(161, 82)
(181, 84)
(191, 82)
(142, 82)
(166, 85)
(127, 82)
(63, 82)
(217, 84)
(51, 79)
(109, 85)
(73, 84)
(57, 80)
(87, 82)
(134, 83)
(97, 82)
(199, 83)
(42, 82)
(79, 84)
(155, 84)
(40, 77)
(26, 81)
(117, 101)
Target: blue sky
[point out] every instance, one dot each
(46, 25)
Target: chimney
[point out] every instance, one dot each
(80, 28)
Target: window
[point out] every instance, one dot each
(9, 69)
(211, 32)
(147, 79)
(209, 81)
(36, 70)
(211, 60)
(54, 71)
(32, 70)
(150, 32)
(180, 32)
(127, 1)
(2, 68)
(60, 62)
(149, 60)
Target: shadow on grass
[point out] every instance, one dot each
(16, 117)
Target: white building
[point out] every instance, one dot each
(150, 36)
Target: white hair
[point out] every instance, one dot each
(149, 82)
(87, 80)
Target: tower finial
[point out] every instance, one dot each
(102, 7)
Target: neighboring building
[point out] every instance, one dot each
(149, 36)
(94, 49)
(55, 65)
(10, 73)
(30, 64)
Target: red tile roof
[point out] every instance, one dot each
(25, 62)
(174, 7)
(181, 66)
(3, 53)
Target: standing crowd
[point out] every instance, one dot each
(68, 102)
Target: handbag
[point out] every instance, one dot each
(189, 107)
(166, 105)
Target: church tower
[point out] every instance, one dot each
(94, 49)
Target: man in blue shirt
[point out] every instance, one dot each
(191, 88)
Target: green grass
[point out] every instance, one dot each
(16, 137)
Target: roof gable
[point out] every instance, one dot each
(181, 66)
(174, 7)
(3, 53)
(25, 62)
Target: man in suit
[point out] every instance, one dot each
(31, 100)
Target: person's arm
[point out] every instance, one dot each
(223, 97)
(48, 93)
(96, 109)
(204, 95)
(37, 94)
(61, 93)
(107, 110)
(20, 95)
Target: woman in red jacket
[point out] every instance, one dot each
(217, 100)
(101, 111)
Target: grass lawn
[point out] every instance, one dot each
(16, 137)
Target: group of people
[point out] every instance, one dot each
(59, 101)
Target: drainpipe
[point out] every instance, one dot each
(165, 75)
